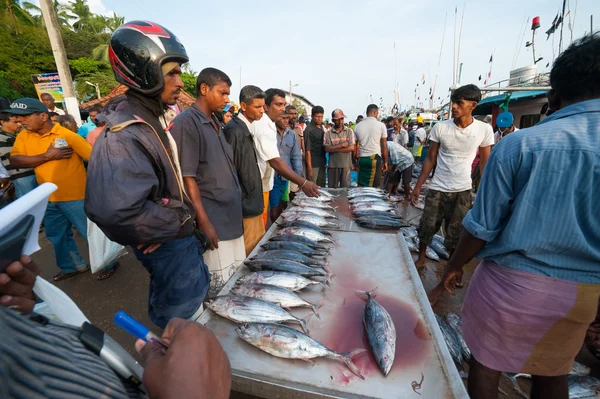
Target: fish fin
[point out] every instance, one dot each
(304, 325)
(324, 284)
(347, 359)
(324, 267)
(308, 361)
(314, 309)
(330, 276)
(325, 232)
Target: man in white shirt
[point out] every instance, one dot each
(454, 144)
(371, 136)
(265, 140)
(400, 135)
(420, 140)
(48, 101)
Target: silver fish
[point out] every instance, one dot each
(289, 255)
(411, 245)
(303, 223)
(429, 252)
(380, 223)
(369, 201)
(366, 198)
(242, 309)
(452, 341)
(311, 202)
(375, 207)
(277, 295)
(576, 369)
(583, 387)
(439, 249)
(289, 266)
(309, 209)
(302, 240)
(287, 343)
(323, 198)
(302, 231)
(291, 281)
(311, 218)
(381, 333)
(300, 247)
(409, 232)
(455, 322)
(326, 193)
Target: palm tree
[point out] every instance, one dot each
(59, 9)
(82, 14)
(114, 22)
(100, 53)
(16, 12)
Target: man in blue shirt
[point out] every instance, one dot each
(291, 153)
(535, 225)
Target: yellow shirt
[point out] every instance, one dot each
(420, 119)
(67, 174)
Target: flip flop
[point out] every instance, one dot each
(63, 276)
(107, 273)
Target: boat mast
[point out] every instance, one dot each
(438, 66)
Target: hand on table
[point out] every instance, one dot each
(311, 189)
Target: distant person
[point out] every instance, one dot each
(68, 122)
(90, 123)
(48, 101)
(400, 135)
(371, 136)
(400, 169)
(53, 117)
(290, 152)
(238, 135)
(339, 143)
(93, 135)
(420, 119)
(420, 141)
(505, 125)
(57, 156)
(22, 178)
(292, 115)
(359, 119)
(210, 178)
(389, 125)
(315, 152)
(224, 116)
(454, 144)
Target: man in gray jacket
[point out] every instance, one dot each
(135, 192)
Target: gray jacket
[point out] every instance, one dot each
(132, 192)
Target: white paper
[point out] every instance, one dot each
(33, 203)
(61, 305)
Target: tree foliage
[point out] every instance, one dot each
(25, 49)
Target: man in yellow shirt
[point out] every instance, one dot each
(57, 155)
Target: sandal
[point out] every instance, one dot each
(63, 276)
(107, 273)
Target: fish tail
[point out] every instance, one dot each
(329, 277)
(327, 233)
(326, 268)
(314, 309)
(304, 325)
(347, 359)
(369, 294)
(324, 284)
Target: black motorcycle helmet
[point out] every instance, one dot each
(137, 51)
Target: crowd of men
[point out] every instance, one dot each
(192, 193)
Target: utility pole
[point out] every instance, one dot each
(60, 57)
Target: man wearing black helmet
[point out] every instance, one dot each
(135, 191)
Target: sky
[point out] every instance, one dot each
(341, 53)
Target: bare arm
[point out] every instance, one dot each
(428, 166)
(201, 217)
(284, 170)
(309, 171)
(484, 154)
(344, 147)
(25, 161)
(384, 150)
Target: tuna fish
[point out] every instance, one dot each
(584, 387)
(292, 246)
(287, 343)
(311, 218)
(409, 232)
(367, 200)
(286, 266)
(242, 309)
(322, 198)
(381, 333)
(429, 252)
(373, 213)
(411, 245)
(302, 240)
(380, 223)
(376, 207)
(359, 196)
(326, 193)
(312, 202)
(304, 232)
(291, 281)
(452, 341)
(455, 322)
(303, 223)
(310, 209)
(439, 249)
(288, 255)
(277, 295)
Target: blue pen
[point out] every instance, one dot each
(138, 330)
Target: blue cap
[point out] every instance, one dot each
(26, 106)
(131, 325)
(504, 120)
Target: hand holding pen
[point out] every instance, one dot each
(193, 366)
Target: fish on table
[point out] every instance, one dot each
(289, 266)
(373, 213)
(290, 281)
(277, 295)
(380, 223)
(242, 309)
(322, 198)
(375, 207)
(312, 202)
(304, 232)
(309, 209)
(288, 255)
(287, 343)
(303, 223)
(311, 218)
(381, 333)
(291, 245)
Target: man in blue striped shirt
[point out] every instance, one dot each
(536, 225)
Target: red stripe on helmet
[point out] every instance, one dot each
(150, 29)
